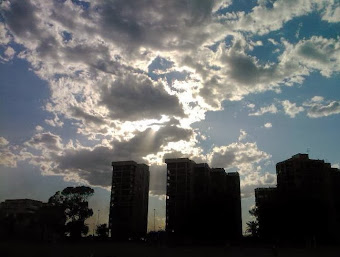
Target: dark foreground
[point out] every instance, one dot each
(110, 249)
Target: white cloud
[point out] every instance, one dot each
(251, 106)
(267, 109)
(254, 180)
(46, 141)
(317, 99)
(9, 52)
(268, 125)
(336, 165)
(291, 109)
(316, 53)
(331, 12)
(3, 141)
(39, 128)
(237, 155)
(243, 135)
(7, 157)
(5, 38)
(263, 19)
(273, 41)
(319, 109)
(56, 122)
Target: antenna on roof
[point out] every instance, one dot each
(308, 151)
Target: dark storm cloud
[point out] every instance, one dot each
(136, 97)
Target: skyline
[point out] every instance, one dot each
(240, 85)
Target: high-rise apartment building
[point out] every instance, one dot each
(201, 201)
(305, 200)
(179, 195)
(129, 200)
(266, 202)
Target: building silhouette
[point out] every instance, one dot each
(202, 202)
(129, 200)
(30, 220)
(266, 202)
(305, 203)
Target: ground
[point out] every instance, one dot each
(109, 249)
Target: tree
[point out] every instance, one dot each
(74, 202)
(253, 226)
(102, 230)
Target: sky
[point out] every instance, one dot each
(240, 85)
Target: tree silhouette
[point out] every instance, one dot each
(253, 226)
(102, 230)
(74, 202)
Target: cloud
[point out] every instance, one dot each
(317, 108)
(336, 165)
(317, 99)
(271, 40)
(267, 17)
(268, 125)
(158, 180)
(254, 180)
(9, 53)
(267, 109)
(251, 106)
(331, 12)
(237, 155)
(56, 122)
(39, 128)
(3, 141)
(5, 38)
(45, 140)
(87, 117)
(243, 135)
(7, 157)
(136, 97)
(316, 53)
(291, 109)
(92, 165)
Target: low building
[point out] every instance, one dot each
(31, 220)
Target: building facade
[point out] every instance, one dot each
(129, 200)
(201, 201)
(31, 220)
(267, 210)
(305, 201)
